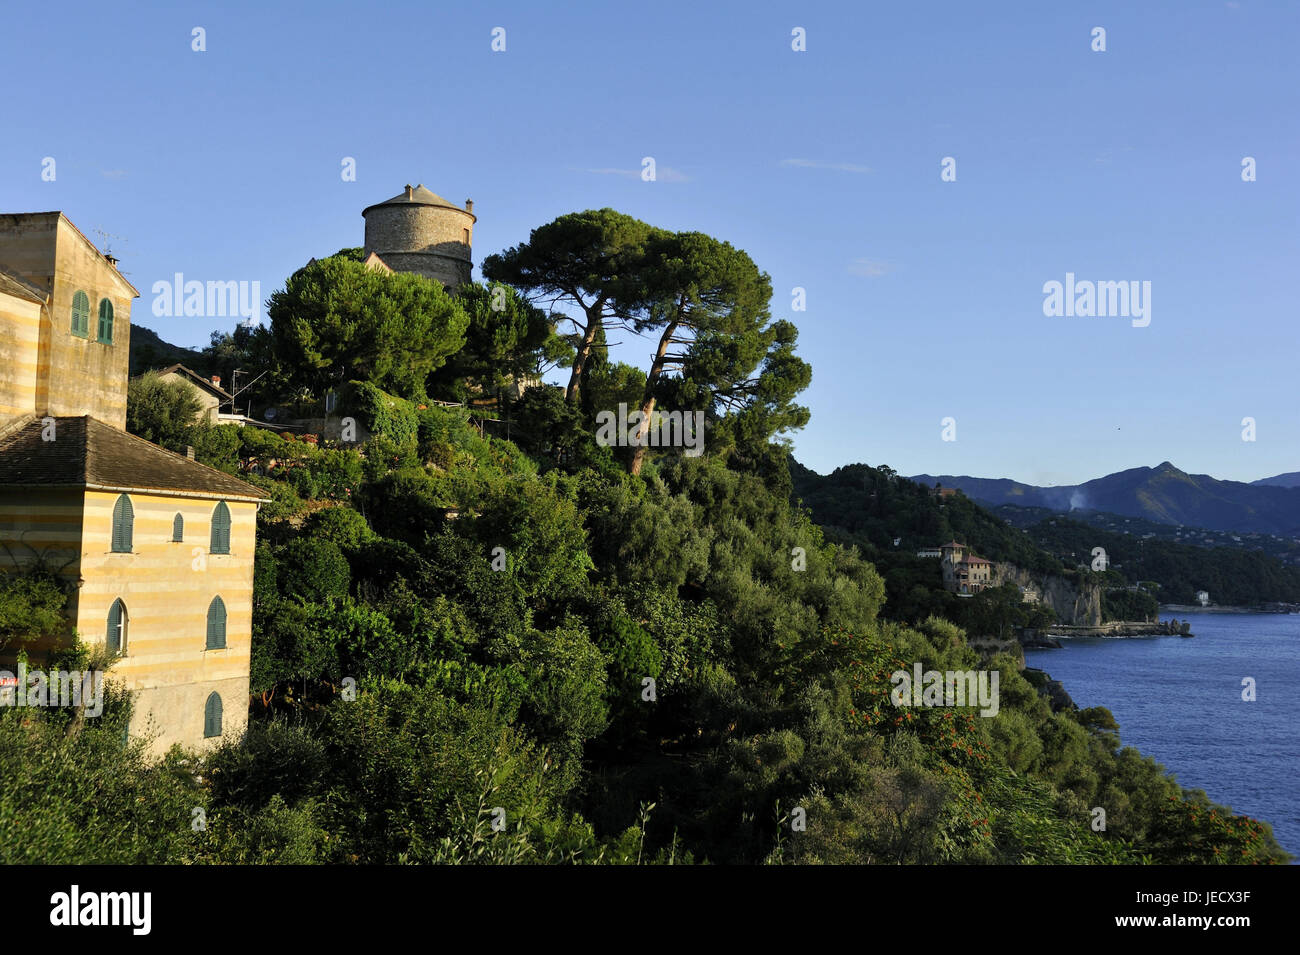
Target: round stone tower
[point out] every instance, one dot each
(419, 231)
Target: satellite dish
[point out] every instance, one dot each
(270, 414)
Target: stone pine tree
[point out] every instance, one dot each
(718, 350)
(593, 262)
(507, 340)
(337, 320)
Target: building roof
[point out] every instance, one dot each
(11, 284)
(58, 216)
(418, 196)
(197, 379)
(976, 560)
(954, 544)
(86, 453)
(373, 261)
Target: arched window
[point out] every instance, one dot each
(106, 321)
(220, 543)
(123, 521)
(115, 638)
(212, 717)
(216, 624)
(178, 528)
(81, 315)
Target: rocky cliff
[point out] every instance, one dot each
(1077, 604)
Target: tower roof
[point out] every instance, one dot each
(417, 196)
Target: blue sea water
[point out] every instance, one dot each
(1179, 701)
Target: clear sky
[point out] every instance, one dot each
(924, 298)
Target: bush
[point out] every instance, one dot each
(337, 474)
(32, 603)
(218, 447)
(164, 412)
(381, 413)
(340, 525)
(312, 569)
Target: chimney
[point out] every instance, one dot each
(469, 205)
(409, 191)
(216, 381)
(112, 259)
(189, 452)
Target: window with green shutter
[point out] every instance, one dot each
(106, 321)
(216, 624)
(178, 528)
(81, 315)
(115, 638)
(212, 717)
(123, 522)
(220, 543)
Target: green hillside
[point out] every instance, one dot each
(468, 649)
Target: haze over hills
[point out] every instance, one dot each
(1290, 479)
(1163, 493)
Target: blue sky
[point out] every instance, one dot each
(924, 298)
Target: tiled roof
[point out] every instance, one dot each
(87, 453)
(419, 196)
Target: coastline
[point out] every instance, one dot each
(1115, 630)
(1197, 608)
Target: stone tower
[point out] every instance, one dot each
(419, 231)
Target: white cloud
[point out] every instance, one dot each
(823, 164)
(870, 268)
(662, 173)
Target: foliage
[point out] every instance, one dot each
(165, 412)
(337, 321)
(32, 604)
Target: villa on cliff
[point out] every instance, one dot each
(964, 573)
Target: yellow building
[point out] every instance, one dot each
(71, 357)
(157, 548)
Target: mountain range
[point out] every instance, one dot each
(1163, 493)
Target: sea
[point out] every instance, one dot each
(1179, 700)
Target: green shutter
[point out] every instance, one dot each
(178, 528)
(216, 624)
(106, 321)
(212, 717)
(123, 519)
(113, 639)
(80, 314)
(220, 543)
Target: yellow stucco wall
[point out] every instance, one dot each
(167, 588)
(20, 341)
(87, 376)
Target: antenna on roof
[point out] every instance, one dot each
(107, 239)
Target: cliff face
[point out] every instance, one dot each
(1076, 605)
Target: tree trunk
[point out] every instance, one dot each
(572, 392)
(648, 402)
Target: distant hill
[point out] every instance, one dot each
(1163, 493)
(150, 351)
(1290, 479)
